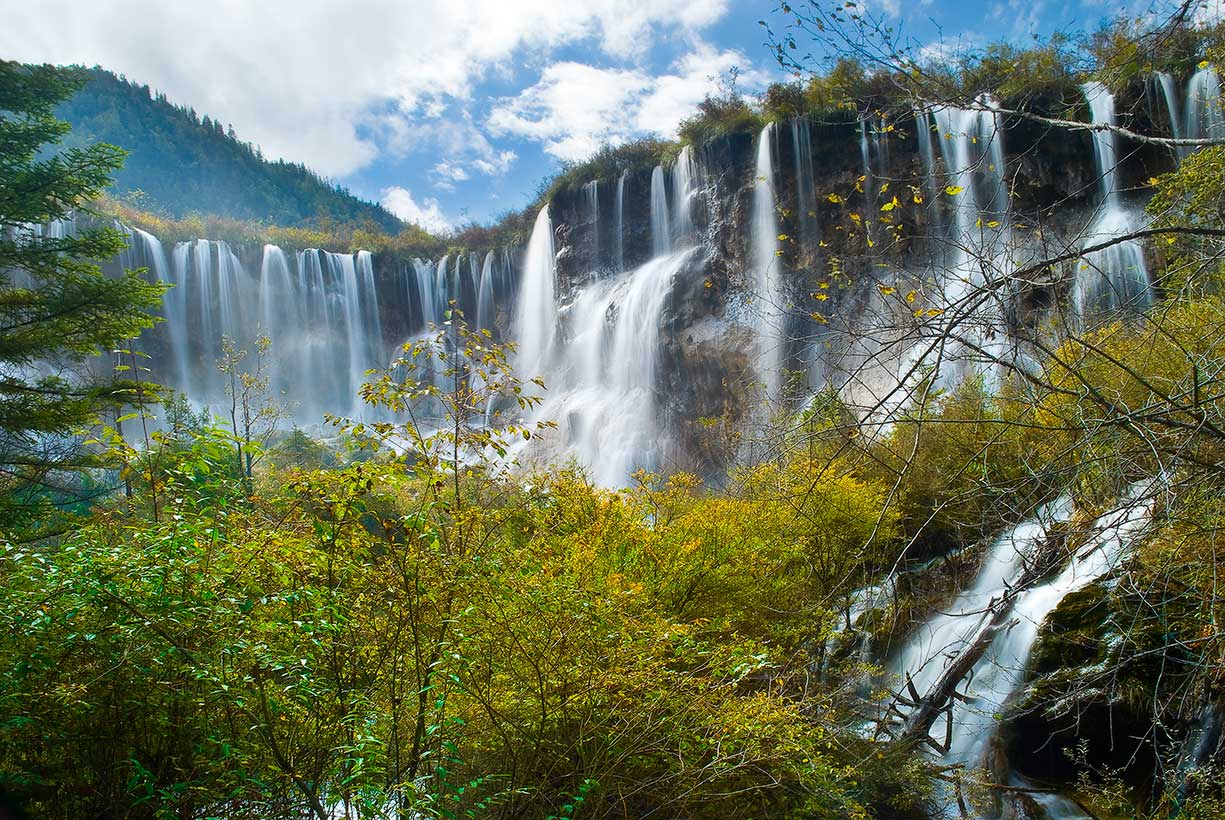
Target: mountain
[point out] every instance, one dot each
(184, 164)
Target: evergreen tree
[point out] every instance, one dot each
(56, 308)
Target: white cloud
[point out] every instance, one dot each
(428, 215)
(575, 108)
(446, 174)
(306, 84)
(497, 165)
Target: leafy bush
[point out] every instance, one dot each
(718, 116)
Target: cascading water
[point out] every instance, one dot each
(484, 298)
(591, 192)
(999, 672)
(320, 311)
(684, 183)
(535, 325)
(1204, 117)
(927, 156)
(769, 313)
(661, 227)
(602, 394)
(1165, 83)
(1116, 276)
(619, 225)
(805, 192)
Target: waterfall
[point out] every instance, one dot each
(805, 193)
(865, 156)
(423, 272)
(768, 308)
(320, 310)
(661, 229)
(484, 299)
(1165, 82)
(278, 311)
(1117, 276)
(592, 194)
(535, 325)
(1204, 116)
(977, 258)
(603, 392)
(927, 156)
(684, 182)
(934, 644)
(619, 225)
(145, 250)
(999, 672)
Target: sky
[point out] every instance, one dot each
(452, 111)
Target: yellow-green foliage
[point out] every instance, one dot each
(961, 463)
(1137, 394)
(454, 643)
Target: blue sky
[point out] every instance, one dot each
(450, 111)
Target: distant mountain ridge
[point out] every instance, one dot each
(186, 164)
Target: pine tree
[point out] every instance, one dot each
(56, 308)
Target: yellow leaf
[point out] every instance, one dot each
(886, 290)
(856, 218)
(918, 199)
(884, 187)
(823, 285)
(910, 297)
(1152, 181)
(934, 311)
(821, 297)
(889, 206)
(817, 317)
(993, 224)
(1203, 64)
(953, 190)
(709, 284)
(834, 198)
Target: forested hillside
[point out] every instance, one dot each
(184, 164)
